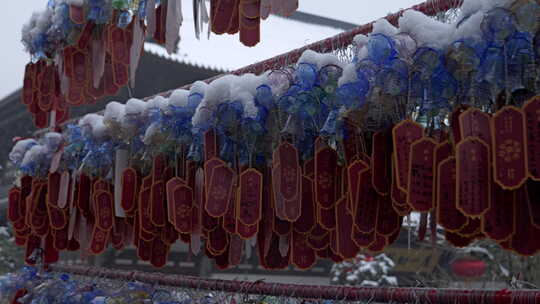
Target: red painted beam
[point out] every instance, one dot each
(339, 293)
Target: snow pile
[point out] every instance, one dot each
(365, 270)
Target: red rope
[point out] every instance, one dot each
(340, 293)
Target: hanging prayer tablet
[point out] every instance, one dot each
(182, 201)
(381, 162)
(86, 35)
(309, 168)
(509, 149)
(219, 191)
(363, 240)
(326, 218)
(308, 218)
(251, 191)
(246, 232)
(144, 250)
(14, 213)
(404, 134)
(57, 217)
(217, 240)
(236, 250)
(533, 199)
(99, 240)
(325, 177)
(399, 197)
(498, 223)
(104, 210)
(388, 221)
(532, 125)
(475, 123)
(290, 171)
(473, 177)
(223, 13)
(170, 186)
(379, 244)
(353, 175)
(160, 253)
(158, 200)
(249, 16)
(302, 255)
(130, 184)
(346, 247)
(451, 218)
(421, 175)
(210, 145)
(28, 87)
(230, 218)
(367, 209)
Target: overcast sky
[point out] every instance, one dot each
(275, 40)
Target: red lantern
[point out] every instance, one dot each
(468, 268)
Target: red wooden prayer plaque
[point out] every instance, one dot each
(230, 218)
(498, 223)
(302, 255)
(28, 87)
(451, 218)
(14, 213)
(210, 145)
(533, 199)
(86, 35)
(532, 125)
(170, 186)
(236, 250)
(326, 218)
(290, 171)
(251, 191)
(53, 188)
(246, 232)
(353, 175)
(388, 221)
(325, 177)
(160, 253)
(475, 123)
(130, 184)
(381, 162)
(144, 250)
(509, 148)
(223, 15)
(308, 219)
(218, 240)
(367, 209)
(404, 134)
(104, 210)
(379, 244)
(525, 239)
(363, 240)
(473, 177)
(399, 197)
(182, 201)
(346, 247)
(158, 214)
(422, 172)
(57, 217)
(99, 240)
(219, 191)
